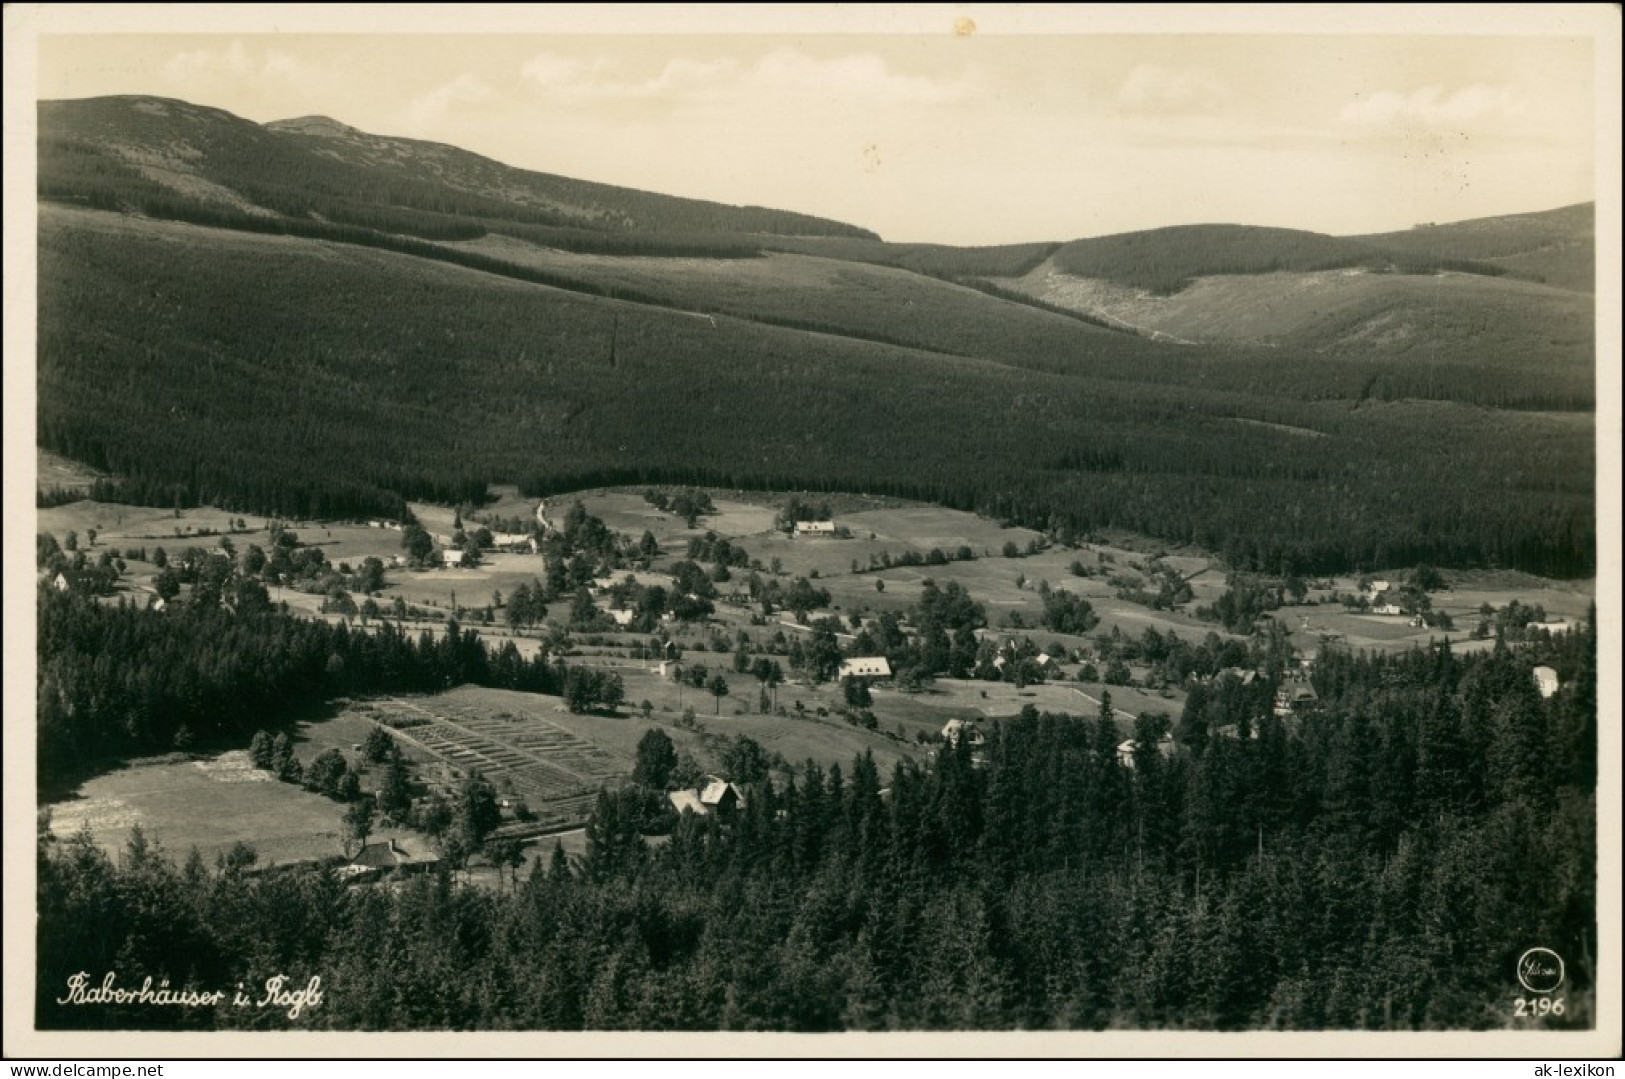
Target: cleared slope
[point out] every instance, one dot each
(1493, 323)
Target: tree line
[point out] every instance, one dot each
(117, 681)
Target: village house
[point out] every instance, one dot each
(1546, 681)
(450, 558)
(815, 528)
(865, 667)
(61, 583)
(1292, 699)
(1166, 747)
(720, 794)
(955, 729)
(388, 856)
(688, 799)
(717, 796)
(1388, 609)
(1557, 626)
(621, 616)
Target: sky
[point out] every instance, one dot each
(993, 127)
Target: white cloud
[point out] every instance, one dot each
(1153, 90)
(462, 92)
(1430, 106)
(571, 79)
(784, 72)
(209, 69)
(864, 76)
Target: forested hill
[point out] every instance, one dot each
(359, 376)
(1555, 247)
(1166, 260)
(144, 150)
(304, 319)
(1552, 247)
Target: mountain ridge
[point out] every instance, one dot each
(259, 318)
(311, 165)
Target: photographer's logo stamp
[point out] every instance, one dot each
(1540, 970)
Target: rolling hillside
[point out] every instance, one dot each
(1164, 261)
(154, 149)
(1554, 247)
(1486, 295)
(426, 322)
(360, 377)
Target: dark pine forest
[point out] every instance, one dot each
(363, 377)
(1381, 864)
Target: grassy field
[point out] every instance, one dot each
(209, 804)
(600, 749)
(894, 528)
(59, 472)
(170, 529)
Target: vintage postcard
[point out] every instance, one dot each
(977, 530)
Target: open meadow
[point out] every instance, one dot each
(210, 803)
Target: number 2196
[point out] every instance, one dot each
(1537, 1007)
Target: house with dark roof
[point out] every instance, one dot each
(1295, 698)
(389, 856)
(719, 794)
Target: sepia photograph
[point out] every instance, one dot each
(977, 530)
